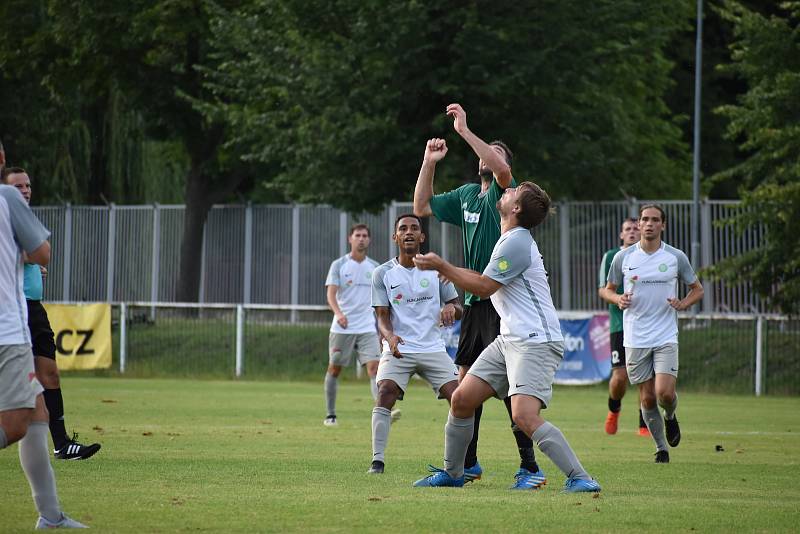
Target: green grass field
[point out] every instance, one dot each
(225, 456)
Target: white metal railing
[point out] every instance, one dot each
(281, 253)
(689, 322)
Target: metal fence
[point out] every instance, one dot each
(741, 354)
(280, 254)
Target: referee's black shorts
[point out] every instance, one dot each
(41, 332)
(480, 325)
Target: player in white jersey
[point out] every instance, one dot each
(23, 416)
(649, 273)
(521, 362)
(349, 293)
(411, 306)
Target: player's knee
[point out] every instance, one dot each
(49, 378)
(388, 392)
(16, 427)
(460, 404)
(334, 370)
(665, 398)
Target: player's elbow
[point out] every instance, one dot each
(422, 210)
(503, 174)
(41, 255)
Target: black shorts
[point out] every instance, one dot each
(480, 325)
(617, 351)
(41, 332)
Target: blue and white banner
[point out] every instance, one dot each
(587, 352)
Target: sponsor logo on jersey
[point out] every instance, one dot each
(662, 267)
(470, 217)
(397, 298)
(424, 282)
(503, 265)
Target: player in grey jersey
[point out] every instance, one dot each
(649, 272)
(23, 416)
(521, 362)
(411, 305)
(348, 289)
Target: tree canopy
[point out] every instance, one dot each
(341, 96)
(766, 121)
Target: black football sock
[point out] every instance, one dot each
(55, 406)
(472, 450)
(615, 405)
(527, 456)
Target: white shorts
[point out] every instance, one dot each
(435, 367)
(342, 348)
(518, 368)
(644, 364)
(18, 384)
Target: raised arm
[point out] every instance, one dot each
(435, 150)
(484, 151)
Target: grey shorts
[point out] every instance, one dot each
(516, 368)
(18, 384)
(644, 364)
(435, 367)
(342, 348)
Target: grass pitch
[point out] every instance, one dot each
(254, 456)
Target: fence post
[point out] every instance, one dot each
(123, 337)
(705, 255)
(156, 258)
(248, 252)
(633, 208)
(202, 295)
(112, 235)
(295, 287)
(563, 229)
(759, 353)
(444, 253)
(67, 251)
(239, 340)
(342, 233)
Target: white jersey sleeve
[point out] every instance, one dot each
(447, 292)
(334, 277)
(29, 232)
(510, 258)
(685, 271)
(379, 295)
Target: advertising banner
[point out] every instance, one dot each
(82, 334)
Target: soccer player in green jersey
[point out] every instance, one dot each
(618, 383)
(473, 208)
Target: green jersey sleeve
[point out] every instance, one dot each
(447, 207)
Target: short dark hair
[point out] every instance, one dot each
(534, 203)
(405, 215)
(359, 226)
(8, 171)
(509, 154)
(654, 206)
(627, 220)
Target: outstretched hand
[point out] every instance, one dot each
(459, 117)
(428, 262)
(435, 150)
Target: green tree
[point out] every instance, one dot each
(766, 121)
(340, 96)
